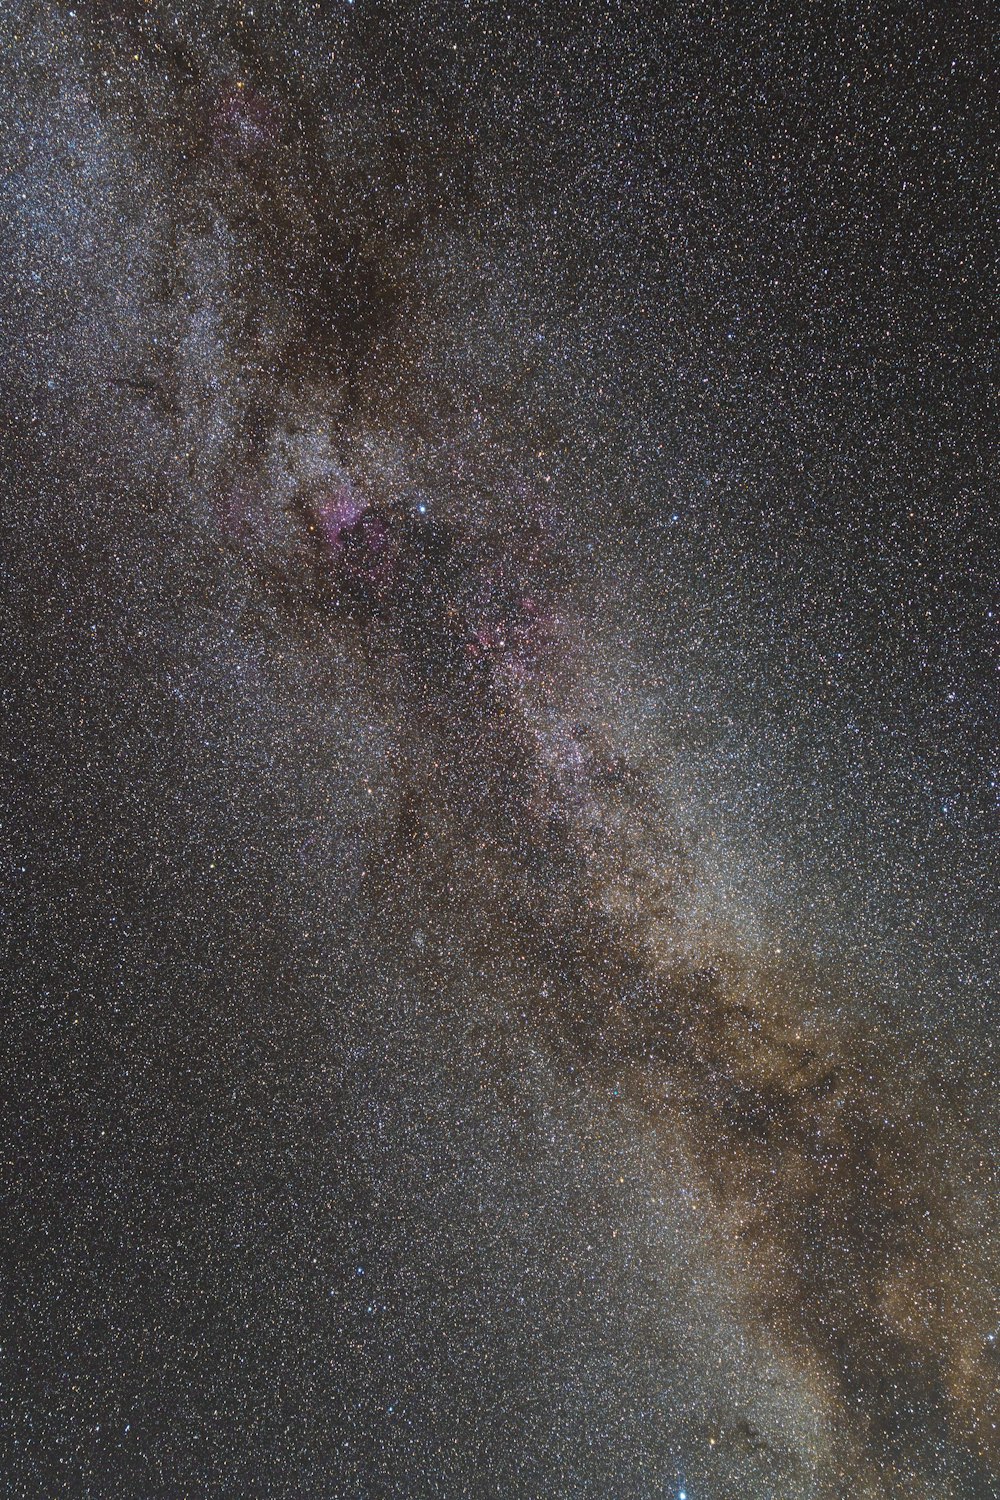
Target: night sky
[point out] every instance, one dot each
(501, 779)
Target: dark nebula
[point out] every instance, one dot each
(499, 868)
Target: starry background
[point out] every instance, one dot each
(500, 807)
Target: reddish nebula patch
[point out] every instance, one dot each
(366, 551)
(516, 642)
(337, 515)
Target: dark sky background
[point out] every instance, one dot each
(499, 864)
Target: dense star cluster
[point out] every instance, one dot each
(501, 798)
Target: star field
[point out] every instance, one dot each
(501, 796)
